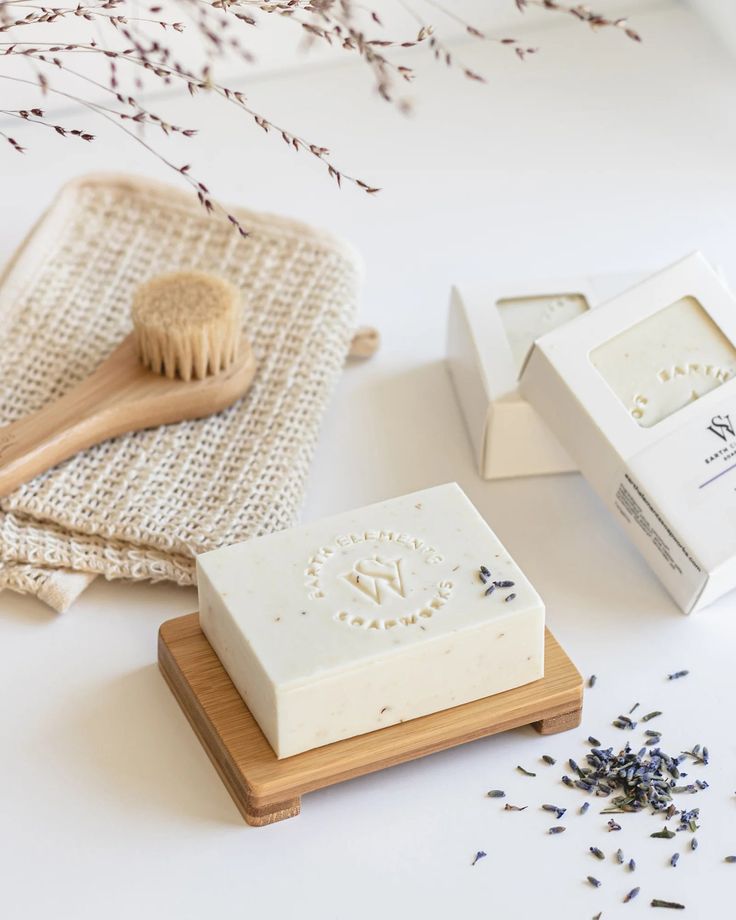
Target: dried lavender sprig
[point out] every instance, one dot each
(698, 755)
(479, 855)
(508, 807)
(646, 778)
(556, 809)
(635, 706)
(689, 820)
(524, 771)
(673, 905)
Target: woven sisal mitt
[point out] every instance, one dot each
(143, 505)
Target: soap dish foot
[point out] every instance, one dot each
(563, 723)
(266, 789)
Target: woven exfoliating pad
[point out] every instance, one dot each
(143, 505)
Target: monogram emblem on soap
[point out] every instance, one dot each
(364, 583)
(377, 578)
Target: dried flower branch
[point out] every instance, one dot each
(135, 55)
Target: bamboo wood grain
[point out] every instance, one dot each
(120, 396)
(266, 789)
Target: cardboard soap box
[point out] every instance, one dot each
(642, 393)
(490, 330)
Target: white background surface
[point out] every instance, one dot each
(598, 155)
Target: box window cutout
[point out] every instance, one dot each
(527, 318)
(666, 361)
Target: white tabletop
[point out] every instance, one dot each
(596, 155)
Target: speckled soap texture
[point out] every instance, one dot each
(370, 618)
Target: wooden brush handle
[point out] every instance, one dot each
(120, 396)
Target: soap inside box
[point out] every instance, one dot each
(491, 328)
(642, 392)
(370, 618)
(666, 361)
(526, 319)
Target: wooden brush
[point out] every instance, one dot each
(185, 359)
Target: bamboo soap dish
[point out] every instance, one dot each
(266, 789)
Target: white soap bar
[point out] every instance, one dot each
(666, 361)
(370, 618)
(526, 319)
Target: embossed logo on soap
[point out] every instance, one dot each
(702, 379)
(377, 578)
(374, 587)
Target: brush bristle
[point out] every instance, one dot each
(187, 324)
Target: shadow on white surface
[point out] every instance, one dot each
(127, 740)
(25, 608)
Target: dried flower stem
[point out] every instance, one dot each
(219, 23)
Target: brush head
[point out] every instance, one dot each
(187, 324)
